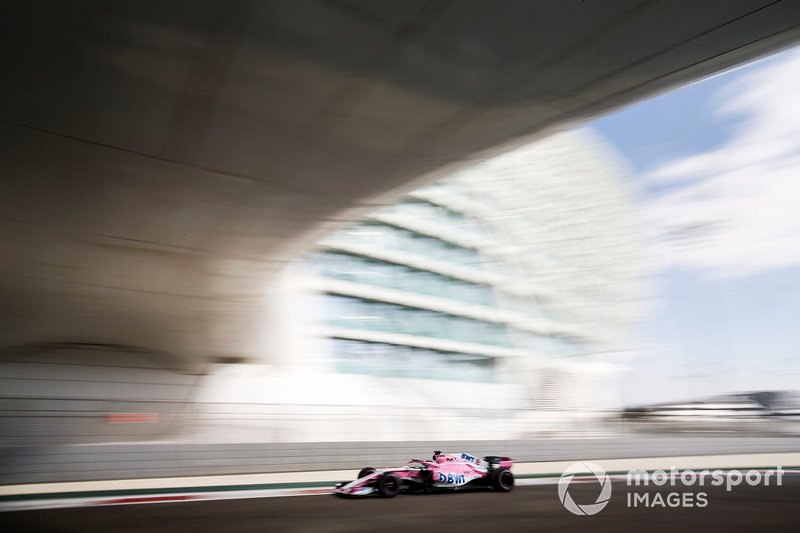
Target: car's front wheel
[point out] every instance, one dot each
(503, 480)
(389, 485)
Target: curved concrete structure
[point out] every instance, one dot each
(160, 160)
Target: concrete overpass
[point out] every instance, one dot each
(162, 161)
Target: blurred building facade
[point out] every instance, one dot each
(529, 257)
(492, 304)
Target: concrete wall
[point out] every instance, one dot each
(129, 461)
(75, 393)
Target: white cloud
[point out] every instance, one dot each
(735, 210)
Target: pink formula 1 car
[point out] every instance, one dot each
(444, 471)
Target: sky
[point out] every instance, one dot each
(717, 177)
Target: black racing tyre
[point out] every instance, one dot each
(389, 485)
(502, 480)
(364, 472)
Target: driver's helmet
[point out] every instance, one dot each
(440, 458)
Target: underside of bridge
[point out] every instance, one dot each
(162, 161)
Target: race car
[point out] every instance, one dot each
(444, 471)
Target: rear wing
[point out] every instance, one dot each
(496, 461)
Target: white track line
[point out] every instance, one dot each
(183, 486)
(98, 501)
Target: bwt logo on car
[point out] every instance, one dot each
(451, 479)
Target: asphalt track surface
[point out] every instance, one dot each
(531, 508)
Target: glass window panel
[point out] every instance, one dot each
(405, 361)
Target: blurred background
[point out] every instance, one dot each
(620, 287)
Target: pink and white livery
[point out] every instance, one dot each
(444, 471)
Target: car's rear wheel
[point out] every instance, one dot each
(364, 472)
(503, 480)
(389, 485)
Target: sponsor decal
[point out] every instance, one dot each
(451, 479)
(470, 458)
